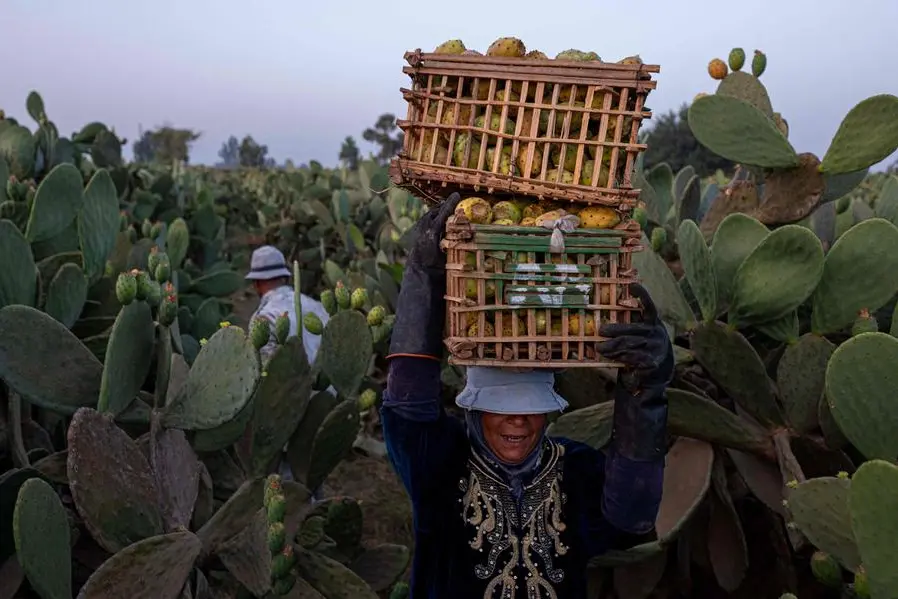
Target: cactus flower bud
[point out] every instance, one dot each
(329, 301)
(864, 323)
(277, 508)
(259, 332)
(168, 310)
(342, 295)
(273, 486)
(282, 562)
(376, 316)
(162, 271)
(312, 323)
(277, 535)
(143, 283)
(282, 328)
(126, 288)
(826, 569)
(367, 399)
(359, 298)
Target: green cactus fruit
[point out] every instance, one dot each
(736, 58)
(156, 230)
(153, 293)
(865, 323)
(277, 508)
(641, 216)
(277, 535)
(273, 486)
(861, 585)
(132, 235)
(826, 569)
(359, 298)
(282, 586)
(376, 316)
(659, 238)
(758, 63)
(342, 295)
(400, 591)
(153, 259)
(168, 309)
(177, 241)
(260, 332)
(367, 399)
(162, 270)
(109, 269)
(283, 562)
(145, 228)
(312, 323)
(126, 288)
(329, 301)
(282, 328)
(143, 283)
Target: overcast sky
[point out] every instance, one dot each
(300, 76)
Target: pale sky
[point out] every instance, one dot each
(300, 76)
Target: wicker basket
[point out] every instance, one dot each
(548, 120)
(512, 302)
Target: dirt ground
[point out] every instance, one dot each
(372, 481)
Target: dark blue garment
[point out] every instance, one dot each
(472, 539)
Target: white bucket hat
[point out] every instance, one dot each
(504, 391)
(267, 262)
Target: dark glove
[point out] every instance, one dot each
(421, 309)
(640, 398)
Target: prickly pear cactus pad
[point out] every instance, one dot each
(43, 544)
(18, 275)
(661, 284)
(801, 377)
(222, 379)
(861, 387)
(696, 258)
(331, 578)
(235, 515)
(777, 277)
(56, 204)
(382, 565)
(867, 135)
(247, 557)
(345, 352)
(116, 498)
(98, 223)
(736, 237)
(748, 89)
(154, 568)
(177, 473)
(66, 294)
(740, 132)
(858, 273)
(128, 357)
(873, 502)
(687, 478)
(332, 442)
(819, 507)
(43, 361)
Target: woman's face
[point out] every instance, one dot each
(512, 437)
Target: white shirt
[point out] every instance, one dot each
(280, 300)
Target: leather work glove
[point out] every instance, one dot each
(640, 398)
(421, 309)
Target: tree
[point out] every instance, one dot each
(670, 140)
(230, 153)
(252, 154)
(164, 145)
(349, 153)
(382, 135)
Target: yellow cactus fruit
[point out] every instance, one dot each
(450, 47)
(717, 69)
(505, 166)
(513, 96)
(571, 54)
(605, 294)
(506, 211)
(448, 117)
(524, 153)
(550, 216)
(589, 324)
(540, 323)
(508, 324)
(477, 210)
(458, 154)
(567, 177)
(533, 210)
(507, 47)
(528, 222)
(591, 56)
(504, 222)
(488, 330)
(471, 289)
(599, 217)
(536, 55)
(495, 124)
(631, 60)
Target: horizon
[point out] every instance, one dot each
(301, 90)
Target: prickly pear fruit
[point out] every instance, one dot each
(400, 591)
(312, 323)
(153, 259)
(717, 69)
(282, 586)
(143, 283)
(329, 301)
(145, 227)
(342, 295)
(168, 310)
(376, 316)
(282, 328)
(865, 323)
(132, 235)
(826, 569)
(277, 508)
(155, 230)
(598, 217)
(260, 333)
(507, 211)
(641, 216)
(126, 288)
(861, 585)
(509, 47)
(359, 298)
(758, 63)
(162, 271)
(282, 562)
(367, 399)
(659, 238)
(273, 486)
(450, 47)
(736, 58)
(476, 210)
(277, 534)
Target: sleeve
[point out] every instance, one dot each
(626, 496)
(421, 439)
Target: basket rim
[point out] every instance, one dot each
(418, 58)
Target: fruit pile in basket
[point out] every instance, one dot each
(517, 212)
(512, 47)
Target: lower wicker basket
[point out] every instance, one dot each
(512, 302)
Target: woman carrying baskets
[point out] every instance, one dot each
(502, 511)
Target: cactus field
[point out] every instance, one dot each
(145, 442)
